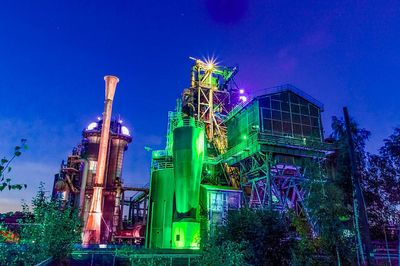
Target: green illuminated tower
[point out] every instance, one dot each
(161, 202)
(195, 129)
(188, 157)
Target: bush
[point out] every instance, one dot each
(263, 234)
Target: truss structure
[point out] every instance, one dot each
(209, 99)
(267, 183)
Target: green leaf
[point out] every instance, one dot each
(17, 148)
(17, 153)
(9, 169)
(4, 160)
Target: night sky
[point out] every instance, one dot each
(54, 54)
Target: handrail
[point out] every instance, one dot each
(263, 138)
(187, 121)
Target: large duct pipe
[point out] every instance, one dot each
(93, 226)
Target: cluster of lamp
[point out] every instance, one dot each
(242, 97)
(124, 129)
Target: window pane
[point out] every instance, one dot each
(303, 101)
(296, 118)
(306, 131)
(267, 124)
(304, 110)
(314, 121)
(285, 96)
(277, 126)
(305, 120)
(286, 116)
(313, 110)
(287, 128)
(294, 98)
(264, 102)
(276, 97)
(295, 108)
(297, 129)
(266, 113)
(276, 105)
(285, 106)
(315, 132)
(276, 115)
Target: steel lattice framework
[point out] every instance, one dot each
(269, 185)
(209, 99)
(272, 163)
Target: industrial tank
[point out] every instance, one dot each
(119, 139)
(161, 203)
(188, 157)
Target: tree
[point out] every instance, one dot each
(390, 153)
(381, 185)
(5, 168)
(341, 159)
(305, 248)
(226, 253)
(48, 231)
(262, 233)
(335, 236)
(327, 233)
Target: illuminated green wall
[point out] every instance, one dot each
(175, 187)
(186, 235)
(161, 204)
(243, 124)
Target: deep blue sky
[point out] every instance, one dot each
(54, 54)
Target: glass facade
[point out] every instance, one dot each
(287, 114)
(243, 124)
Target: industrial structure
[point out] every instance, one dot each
(91, 181)
(224, 150)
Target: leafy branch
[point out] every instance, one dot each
(5, 168)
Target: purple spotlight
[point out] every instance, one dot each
(241, 91)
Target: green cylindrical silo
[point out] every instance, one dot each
(161, 200)
(188, 156)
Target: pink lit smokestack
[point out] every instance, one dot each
(93, 225)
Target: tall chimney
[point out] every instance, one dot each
(93, 226)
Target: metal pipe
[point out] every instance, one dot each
(117, 210)
(93, 226)
(83, 186)
(357, 192)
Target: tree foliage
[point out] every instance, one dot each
(379, 175)
(341, 158)
(381, 185)
(334, 229)
(48, 231)
(5, 168)
(263, 234)
(226, 253)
